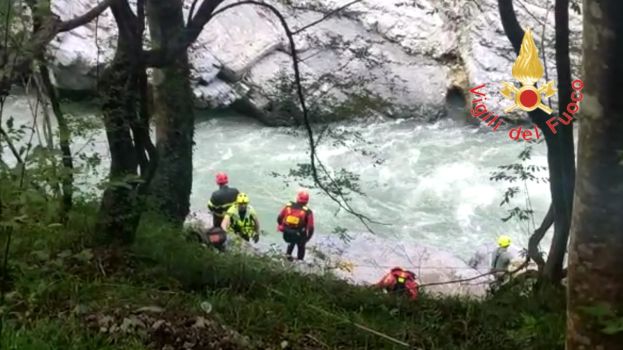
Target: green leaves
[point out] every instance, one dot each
(606, 316)
(41, 255)
(516, 172)
(128, 182)
(614, 327)
(85, 255)
(519, 172)
(599, 310)
(8, 226)
(510, 193)
(519, 213)
(343, 234)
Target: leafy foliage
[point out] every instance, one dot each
(167, 277)
(605, 316)
(523, 173)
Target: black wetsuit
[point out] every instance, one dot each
(220, 201)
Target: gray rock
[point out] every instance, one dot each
(79, 55)
(393, 57)
(239, 38)
(372, 257)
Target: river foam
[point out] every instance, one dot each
(432, 188)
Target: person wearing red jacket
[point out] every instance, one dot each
(399, 280)
(296, 221)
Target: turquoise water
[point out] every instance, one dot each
(432, 186)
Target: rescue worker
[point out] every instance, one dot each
(242, 219)
(399, 280)
(296, 221)
(221, 199)
(217, 237)
(500, 260)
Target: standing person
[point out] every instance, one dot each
(221, 199)
(296, 221)
(242, 219)
(500, 260)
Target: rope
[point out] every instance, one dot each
(411, 266)
(455, 281)
(344, 319)
(506, 273)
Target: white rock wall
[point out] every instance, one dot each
(408, 53)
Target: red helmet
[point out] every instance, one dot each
(302, 197)
(221, 178)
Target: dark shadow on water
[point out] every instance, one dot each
(456, 105)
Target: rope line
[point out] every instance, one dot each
(346, 320)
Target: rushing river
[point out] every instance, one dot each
(432, 187)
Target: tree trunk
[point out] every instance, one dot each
(118, 214)
(537, 236)
(172, 182)
(565, 153)
(67, 175)
(45, 86)
(560, 151)
(595, 273)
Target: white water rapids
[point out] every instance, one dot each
(433, 188)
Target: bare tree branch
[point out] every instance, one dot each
(343, 203)
(560, 149)
(325, 17)
(47, 30)
(67, 178)
(543, 53)
(530, 13)
(85, 18)
(477, 4)
(191, 12)
(11, 146)
(537, 236)
(163, 56)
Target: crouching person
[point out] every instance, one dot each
(217, 238)
(399, 281)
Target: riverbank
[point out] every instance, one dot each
(430, 183)
(363, 258)
(166, 291)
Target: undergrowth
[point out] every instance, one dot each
(166, 292)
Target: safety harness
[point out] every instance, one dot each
(246, 225)
(402, 277)
(404, 282)
(219, 210)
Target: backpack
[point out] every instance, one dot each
(294, 222)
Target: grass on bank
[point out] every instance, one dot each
(63, 292)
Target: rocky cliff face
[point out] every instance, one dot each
(394, 57)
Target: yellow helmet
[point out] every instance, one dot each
(242, 198)
(504, 241)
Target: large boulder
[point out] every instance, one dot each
(393, 57)
(367, 258)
